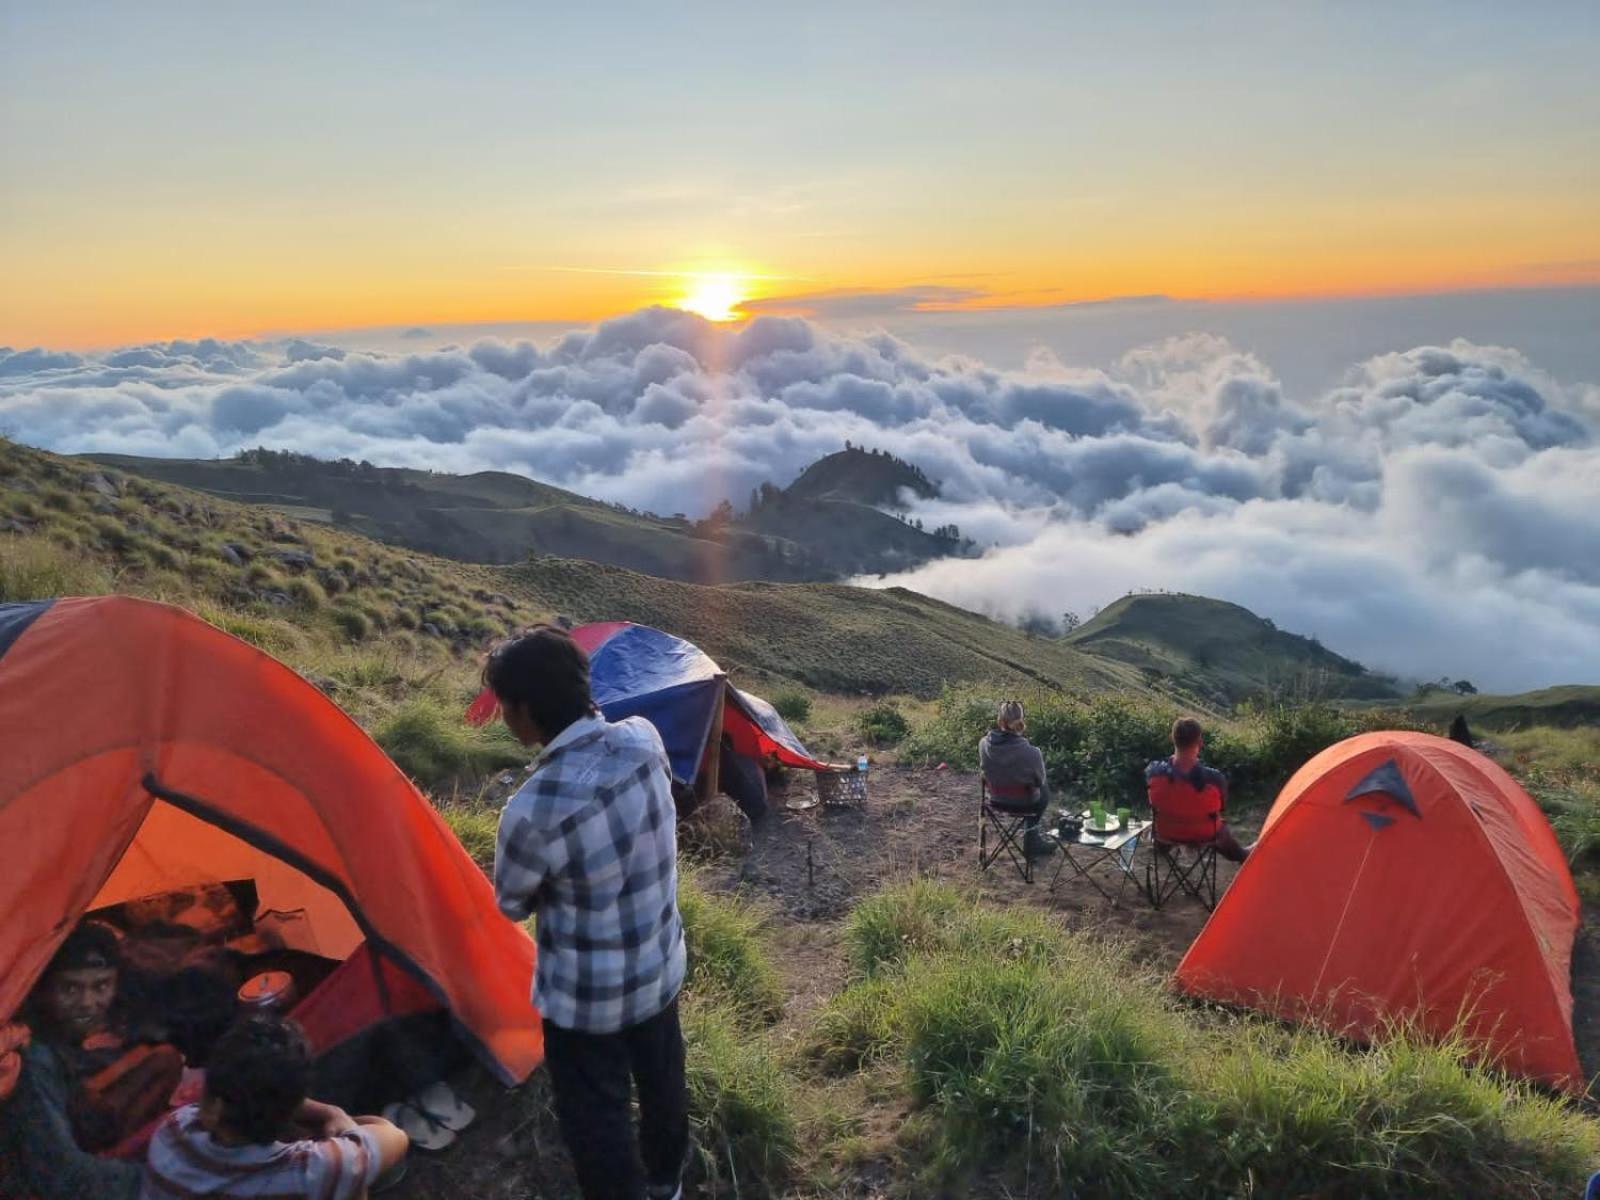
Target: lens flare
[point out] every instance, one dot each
(714, 297)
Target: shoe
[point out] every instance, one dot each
(1036, 845)
(661, 1193)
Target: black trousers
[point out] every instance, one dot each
(590, 1074)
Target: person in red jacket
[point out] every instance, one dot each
(1189, 796)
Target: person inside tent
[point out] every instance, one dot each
(1009, 762)
(1190, 793)
(256, 1132)
(87, 1080)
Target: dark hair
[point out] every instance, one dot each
(90, 947)
(260, 1073)
(544, 672)
(200, 1004)
(1185, 733)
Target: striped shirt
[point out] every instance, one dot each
(185, 1161)
(590, 845)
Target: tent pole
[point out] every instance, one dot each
(710, 781)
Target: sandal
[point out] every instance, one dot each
(425, 1133)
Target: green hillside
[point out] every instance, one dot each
(1221, 650)
(272, 578)
(863, 477)
(1567, 707)
(251, 560)
(827, 636)
(824, 531)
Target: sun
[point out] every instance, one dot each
(714, 297)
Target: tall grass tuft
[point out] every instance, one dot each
(429, 740)
(726, 958)
(35, 568)
(742, 1102)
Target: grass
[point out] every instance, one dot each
(1057, 1062)
(726, 958)
(429, 740)
(32, 568)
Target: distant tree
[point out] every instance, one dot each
(1070, 621)
(1462, 687)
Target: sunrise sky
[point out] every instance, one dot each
(234, 169)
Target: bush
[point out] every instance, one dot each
(727, 961)
(1051, 1054)
(351, 622)
(792, 704)
(883, 725)
(431, 741)
(307, 593)
(1097, 746)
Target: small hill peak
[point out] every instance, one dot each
(873, 477)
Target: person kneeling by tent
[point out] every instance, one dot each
(1189, 794)
(86, 1082)
(1009, 760)
(255, 1132)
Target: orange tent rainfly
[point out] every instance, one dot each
(147, 751)
(1401, 876)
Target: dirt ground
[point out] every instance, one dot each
(810, 867)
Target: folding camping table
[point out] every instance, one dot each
(1089, 850)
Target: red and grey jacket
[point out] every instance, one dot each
(1187, 805)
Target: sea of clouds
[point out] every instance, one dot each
(1436, 513)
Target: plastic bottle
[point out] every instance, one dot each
(861, 764)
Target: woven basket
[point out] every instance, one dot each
(842, 788)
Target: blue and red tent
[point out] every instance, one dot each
(637, 671)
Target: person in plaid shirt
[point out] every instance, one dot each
(589, 848)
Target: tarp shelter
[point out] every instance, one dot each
(147, 751)
(637, 671)
(1404, 876)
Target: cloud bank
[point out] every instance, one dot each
(1435, 513)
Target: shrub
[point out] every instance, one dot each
(726, 958)
(883, 725)
(351, 622)
(431, 741)
(792, 704)
(307, 593)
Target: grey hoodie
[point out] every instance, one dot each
(1011, 760)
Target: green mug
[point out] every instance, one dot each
(1125, 817)
(1097, 814)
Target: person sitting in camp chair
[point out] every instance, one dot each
(1014, 769)
(86, 1082)
(1187, 797)
(256, 1133)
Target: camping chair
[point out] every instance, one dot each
(1005, 810)
(1183, 857)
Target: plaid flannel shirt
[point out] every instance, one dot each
(589, 844)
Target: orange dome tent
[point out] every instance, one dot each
(1404, 876)
(147, 751)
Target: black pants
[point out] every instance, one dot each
(590, 1073)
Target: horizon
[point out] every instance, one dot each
(1293, 306)
(228, 176)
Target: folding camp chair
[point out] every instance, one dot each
(1005, 812)
(1183, 850)
(1187, 867)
